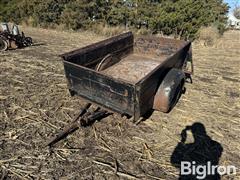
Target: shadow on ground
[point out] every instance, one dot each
(201, 152)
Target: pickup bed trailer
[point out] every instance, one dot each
(129, 72)
(128, 76)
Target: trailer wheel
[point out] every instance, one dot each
(169, 91)
(3, 44)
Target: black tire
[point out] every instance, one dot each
(176, 96)
(3, 44)
(28, 41)
(169, 91)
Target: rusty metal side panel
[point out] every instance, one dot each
(148, 86)
(119, 46)
(157, 46)
(115, 95)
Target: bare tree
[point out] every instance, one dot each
(236, 12)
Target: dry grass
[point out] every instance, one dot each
(208, 36)
(106, 30)
(35, 103)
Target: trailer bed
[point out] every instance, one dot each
(134, 67)
(122, 74)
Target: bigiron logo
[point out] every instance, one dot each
(202, 171)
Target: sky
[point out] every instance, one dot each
(232, 3)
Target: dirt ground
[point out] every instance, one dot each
(35, 104)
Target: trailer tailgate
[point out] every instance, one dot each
(111, 93)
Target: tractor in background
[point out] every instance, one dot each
(13, 39)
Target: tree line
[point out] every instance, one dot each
(181, 18)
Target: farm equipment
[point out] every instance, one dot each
(127, 76)
(13, 39)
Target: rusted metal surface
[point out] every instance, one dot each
(157, 47)
(169, 91)
(133, 67)
(73, 126)
(131, 71)
(95, 116)
(105, 91)
(84, 119)
(149, 84)
(89, 56)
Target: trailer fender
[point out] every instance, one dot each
(169, 91)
